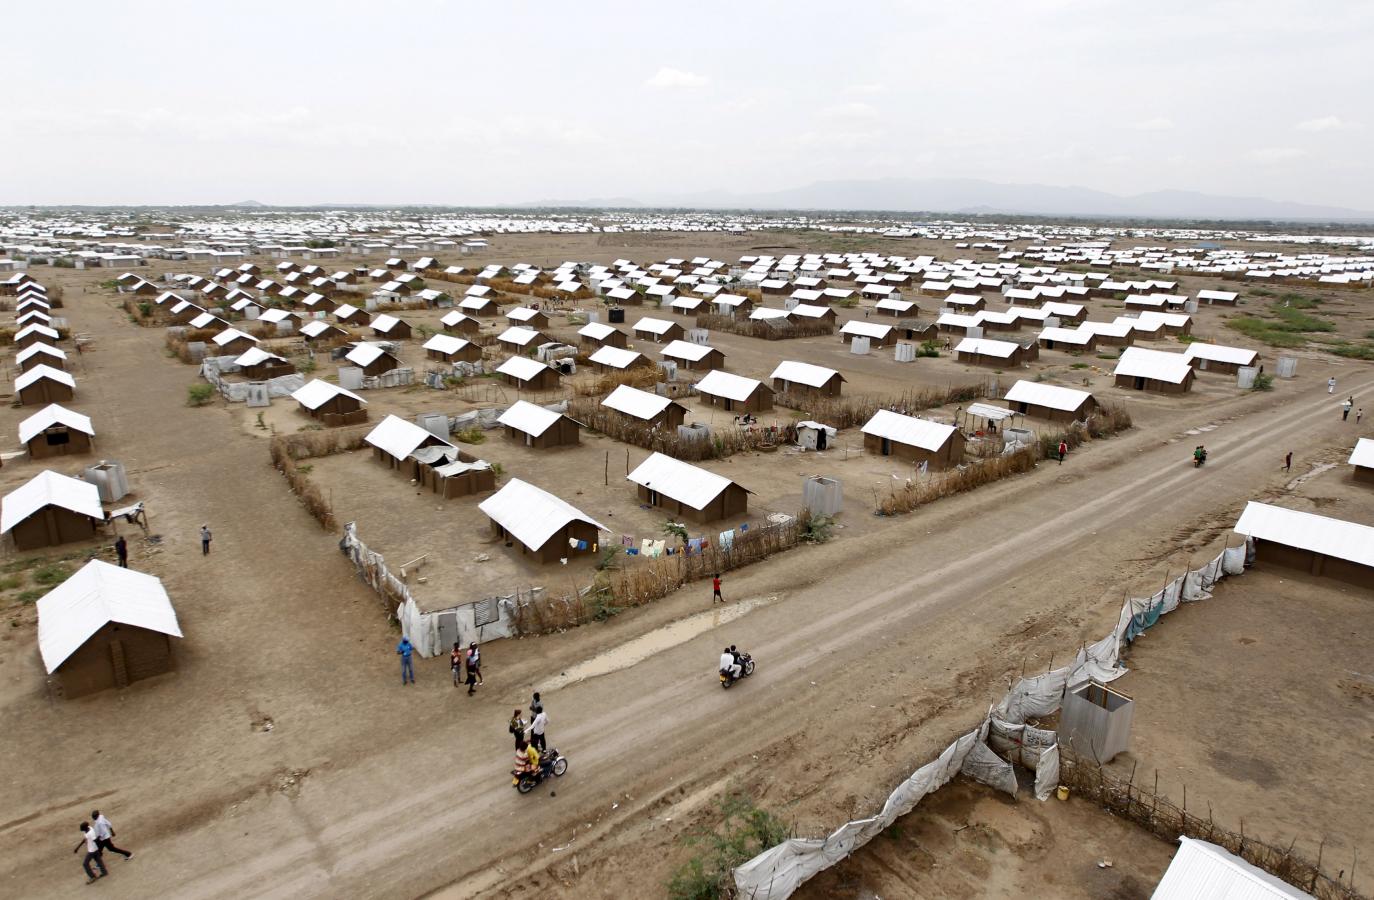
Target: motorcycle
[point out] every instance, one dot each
(1199, 459)
(746, 668)
(550, 763)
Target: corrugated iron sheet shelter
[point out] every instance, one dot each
(106, 627)
(541, 524)
(917, 440)
(56, 431)
(734, 393)
(51, 509)
(1310, 543)
(1203, 871)
(1050, 401)
(330, 403)
(689, 491)
(537, 427)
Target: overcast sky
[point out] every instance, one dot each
(487, 103)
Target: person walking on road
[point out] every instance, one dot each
(516, 727)
(536, 705)
(1359, 414)
(122, 551)
(455, 663)
(404, 649)
(715, 589)
(205, 539)
(1345, 410)
(537, 726)
(104, 835)
(92, 845)
(1288, 462)
(1063, 449)
(1331, 385)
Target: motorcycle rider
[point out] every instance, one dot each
(729, 663)
(739, 658)
(1199, 455)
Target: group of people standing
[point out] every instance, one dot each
(472, 659)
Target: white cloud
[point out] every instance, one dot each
(1276, 154)
(852, 111)
(873, 88)
(1158, 123)
(1325, 123)
(668, 77)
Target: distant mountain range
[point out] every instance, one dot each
(969, 196)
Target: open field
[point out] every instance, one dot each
(875, 649)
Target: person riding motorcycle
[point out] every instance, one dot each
(526, 761)
(1199, 455)
(729, 663)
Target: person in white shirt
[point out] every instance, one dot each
(728, 664)
(104, 833)
(537, 726)
(92, 845)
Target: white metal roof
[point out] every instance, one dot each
(808, 311)
(1220, 353)
(518, 335)
(364, 353)
(48, 488)
(34, 349)
(654, 326)
(803, 373)
(255, 355)
(521, 368)
(1217, 295)
(685, 350)
(531, 514)
(887, 303)
(1139, 362)
(40, 372)
(764, 313)
(909, 430)
(100, 593)
(597, 331)
(397, 437)
(453, 318)
(865, 329)
(316, 327)
(229, 335)
(1049, 395)
(1362, 455)
(1308, 531)
(681, 481)
(731, 387)
(634, 402)
(385, 323)
(1066, 335)
(38, 329)
(50, 415)
(1203, 871)
(316, 393)
(986, 347)
(529, 418)
(615, 357)
(522, 314)
(345, 311)
(445, 343)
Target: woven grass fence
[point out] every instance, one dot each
(1159, 815)
(849, 412)
(755, 328)
(288, 449)
(722, 442)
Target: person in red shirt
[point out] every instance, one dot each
(1063, 449)
(715, 589)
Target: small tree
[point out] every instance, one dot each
(199, 394)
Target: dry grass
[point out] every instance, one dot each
(777, 331)
(288, 449)
(1108, 420)
(723, 442)
(599, 384)
(848, 412)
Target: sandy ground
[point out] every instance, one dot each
(875, 650)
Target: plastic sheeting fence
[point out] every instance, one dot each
(423, 627)
(983, 754)
(212, 369)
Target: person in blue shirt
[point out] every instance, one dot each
(404, 649)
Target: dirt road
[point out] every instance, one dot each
(864, 673)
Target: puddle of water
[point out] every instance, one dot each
(1307, 476)
(656, 641)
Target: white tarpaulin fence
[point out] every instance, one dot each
(982, 754)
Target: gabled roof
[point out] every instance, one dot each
(1308, 531)
(529, 418)
(38, 329)
(1362, 455)
(654, 326)
(1138, 362)
(804, 373)
(445, 343)
(41, 372)
(453, 318)
(1051, 396)
(522, 314)
(48, 488)
(531, 514)
(50, 415)
(636, 403)
(686, 483)
(317, 327)
(908, 430)
(385, 323)
(865, 329)
(100, 593)
(1203, 871)
(396, 437)
(986, 347)
(1220, 353)
(731, 387)
(686, 350)
(521, 368)
(596, 331)
(365, 354)
(32, 350)
(229, 335)
(317, 393)
(255, 356)
(616, 358)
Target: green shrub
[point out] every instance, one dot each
(10, 583)
(30, 596)
(470, 435)
(1353, 351)
(929, 348)
(745, 832)
(1263, 383)
(199, 394)
(52, 575)
(1078, 365)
